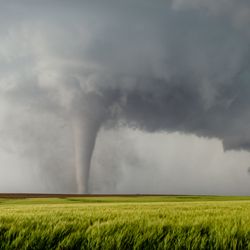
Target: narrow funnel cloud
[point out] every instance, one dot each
(85, 132)
(87, 118)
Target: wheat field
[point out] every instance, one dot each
(151, 222)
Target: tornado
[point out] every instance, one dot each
(86, 122)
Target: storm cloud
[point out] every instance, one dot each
(170, 66)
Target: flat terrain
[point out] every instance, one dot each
(37, 221)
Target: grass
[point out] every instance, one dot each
(151, 222)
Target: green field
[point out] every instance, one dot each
(129, 222)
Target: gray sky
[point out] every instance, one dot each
(167, 82)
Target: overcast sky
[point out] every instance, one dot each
(162, 88)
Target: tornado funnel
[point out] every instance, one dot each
(87, 118)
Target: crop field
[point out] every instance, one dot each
(124, 222)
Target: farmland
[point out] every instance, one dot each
(124, 222)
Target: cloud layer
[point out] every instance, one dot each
(176, 66)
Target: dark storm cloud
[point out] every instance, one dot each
(157, 66)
